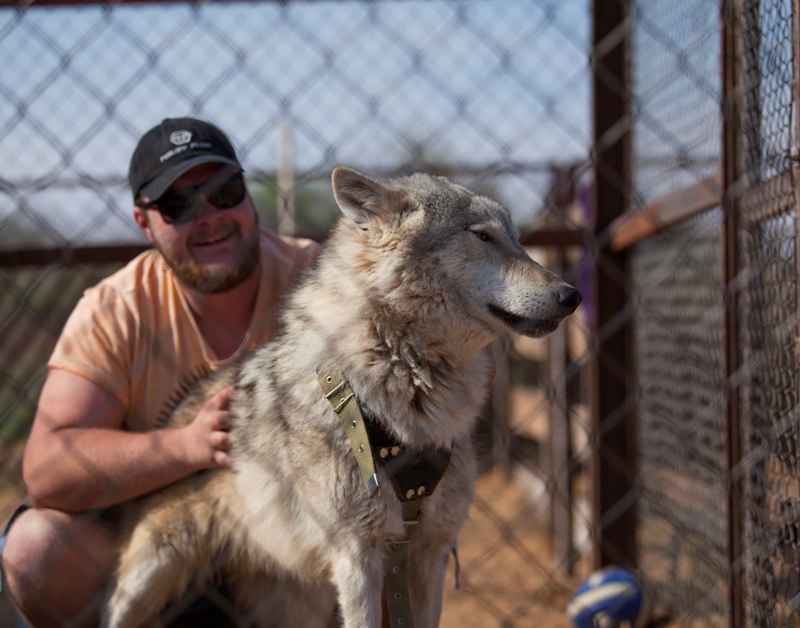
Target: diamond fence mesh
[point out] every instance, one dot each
(767, 236)
(495, 94)
(678, 309)
(682, 506)
(492, 94)
(717, 457)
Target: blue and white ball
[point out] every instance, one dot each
(610, 598)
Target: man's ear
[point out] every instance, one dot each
(140, 216)
(363, 200)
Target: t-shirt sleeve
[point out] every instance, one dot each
(310, 253)
(306, 251)
(97, 341)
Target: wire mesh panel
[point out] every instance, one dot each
(678, 312)
(680, 393)
(494, 94)
(770, 429)
(34, 305)
(675, 70)
(382, 88)
(688, 434)
(768, 316)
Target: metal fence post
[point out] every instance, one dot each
(613, 419)
(560, 427)
(730, 269)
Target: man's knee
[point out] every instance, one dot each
(56, 560)
(41, 539)
(30, 538)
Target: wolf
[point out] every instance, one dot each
(417, 278)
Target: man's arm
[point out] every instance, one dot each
(78, 456)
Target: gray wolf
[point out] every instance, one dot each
(418, 276)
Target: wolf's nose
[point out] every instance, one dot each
(569, 298)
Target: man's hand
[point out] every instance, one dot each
(207, 438)
(80, 456)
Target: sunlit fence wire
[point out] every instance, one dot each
(718, 501)
(769, 321)
(494, 94)
(678, 311)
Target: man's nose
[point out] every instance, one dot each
(204, 207)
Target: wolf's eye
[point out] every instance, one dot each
(482, 235)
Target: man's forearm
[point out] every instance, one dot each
(85, 468)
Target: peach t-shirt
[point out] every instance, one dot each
(134, 335)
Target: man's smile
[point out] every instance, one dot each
(214, 239)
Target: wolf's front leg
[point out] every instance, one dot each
(426, 573)
(358, 576)
(152, 572)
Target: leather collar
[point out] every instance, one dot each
(415, 471)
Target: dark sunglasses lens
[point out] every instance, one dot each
(181, 206)
(229, 194)
(173, 207)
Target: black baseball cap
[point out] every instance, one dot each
(172, 148)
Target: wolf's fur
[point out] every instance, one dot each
(416, 279)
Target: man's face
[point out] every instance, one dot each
(216, 251)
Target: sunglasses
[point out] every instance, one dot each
(178, 207)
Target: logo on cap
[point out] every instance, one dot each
(179, 138)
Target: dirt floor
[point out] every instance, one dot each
(507, 574)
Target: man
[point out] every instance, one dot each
(206, 293)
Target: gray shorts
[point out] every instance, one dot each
(17, 512)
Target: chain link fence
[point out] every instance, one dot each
(715, 306)
(496, 94)
(493, 94)
(678, 310)
(767, 236)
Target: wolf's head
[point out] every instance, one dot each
(432, 251)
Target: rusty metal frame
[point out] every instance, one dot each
(730, 270)
(634, 227)
(68, 256)
(758, 204)
(613, 417)
(563, 195)
(125, 252)
(795, 172)
(27, 4)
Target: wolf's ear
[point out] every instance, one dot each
(361, 199)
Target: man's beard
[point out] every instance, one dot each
(207, 279)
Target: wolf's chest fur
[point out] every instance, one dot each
(301, 461)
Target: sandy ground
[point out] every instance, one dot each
(507, 574)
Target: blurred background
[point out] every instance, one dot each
(648, 151)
